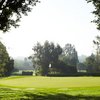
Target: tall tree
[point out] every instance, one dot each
(70, 55)
(96, 12)
(12, 10)
(91, 63)
(6, 64)
(44, 55)
(97, 55)
(70, 58)
(9, 67)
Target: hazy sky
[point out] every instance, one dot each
(59, 21)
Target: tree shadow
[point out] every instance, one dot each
(58, 96)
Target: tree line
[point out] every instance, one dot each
(53, 59)
(93, 61)
(50, 58)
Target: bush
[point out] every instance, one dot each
(27, 73)
(75, 74)
(17, 72)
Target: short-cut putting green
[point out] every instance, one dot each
(49, 82)
(49, 88)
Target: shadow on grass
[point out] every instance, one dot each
(59, 96)
(9, 94)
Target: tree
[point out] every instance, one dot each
(81, 67)
(90, 63)
(11, 12)
(70, 55)
(70, 58)
(9, 67)
(97, 55)
(96, 12)
(93, 62)
(6, 64)
(44, 55)
(97, 44)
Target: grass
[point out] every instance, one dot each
(49, 82)
(49, 88)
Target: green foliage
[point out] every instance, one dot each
(9, 67)
(97, 54)
(53, 59)
(82, 67)
(90, 63)
(27, 72)
(96, 12)
(70, 56)
(6, 64)
(93, 61)
(12, 10)
(44, 55)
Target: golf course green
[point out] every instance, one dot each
(49, 88)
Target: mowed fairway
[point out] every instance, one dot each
(49, 82)
(49, 88)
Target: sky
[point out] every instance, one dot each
(58, 21)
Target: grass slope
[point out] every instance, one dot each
(50, 88)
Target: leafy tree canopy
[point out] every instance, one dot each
(6, 64)
(44, 55)
(12, 10)
(70, 55)
(90, 63)
(96, 12)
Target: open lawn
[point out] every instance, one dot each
(49, 88)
